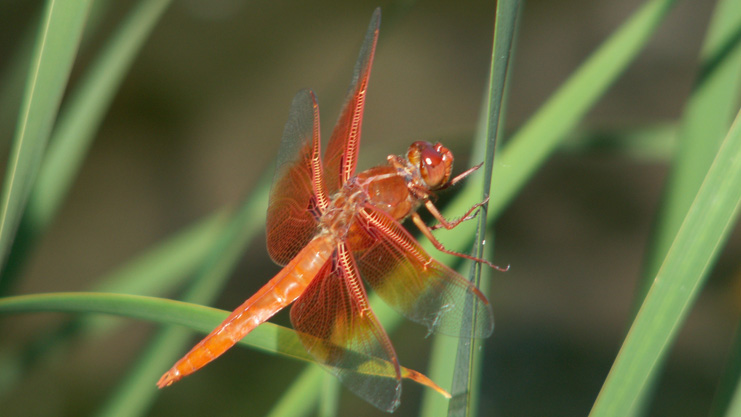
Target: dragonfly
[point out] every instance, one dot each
(329, 227)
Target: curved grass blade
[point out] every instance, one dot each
(268, 337)
(707, 117)
(55, 50)
(678, 282)
(75, 130)
(201, 318)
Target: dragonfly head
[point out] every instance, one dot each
(435, 163)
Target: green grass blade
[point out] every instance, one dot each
(268, 337)
(735, 407)
(163, 267)
(55, 50)
(466, 369)
(677, 283)
(330, 400)
(464, 372)
(78, 122)
(707, 116)
(651, 143)
(135, 392)
(86, 109)
(14, 68)
(444, 349)
(299, 400)
(14, 74)
(706, 119)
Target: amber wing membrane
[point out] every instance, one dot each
(297, 196)
(341, 156)
(417, 286)
(336, 325)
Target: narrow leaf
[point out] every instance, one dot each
(465, 378)
(268, 337)
(678, 282)
(707, 117)
(56, 47)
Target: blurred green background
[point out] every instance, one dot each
(199, 119)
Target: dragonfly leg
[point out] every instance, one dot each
(443, 222)
(439, 246)
(462, 175)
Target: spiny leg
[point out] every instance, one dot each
(443, 222)
(461, 176)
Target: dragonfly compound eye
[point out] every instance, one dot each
(435, 164)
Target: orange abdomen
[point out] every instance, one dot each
(278, 293)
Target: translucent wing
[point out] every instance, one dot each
(342, 151)
(336, 325)
(297, 196)
(408, 279)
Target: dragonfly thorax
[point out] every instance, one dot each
(342, 207)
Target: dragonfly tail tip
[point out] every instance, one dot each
(168, 379)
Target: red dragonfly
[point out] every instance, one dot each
(329, 227)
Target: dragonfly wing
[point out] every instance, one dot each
(417, 286)
(342, 151)
(336, 325)
(297, 195)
